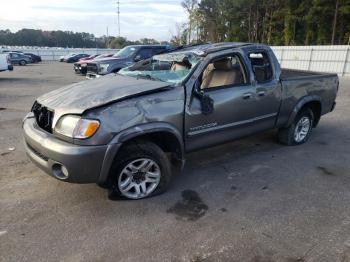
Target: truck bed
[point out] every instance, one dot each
(293, 74)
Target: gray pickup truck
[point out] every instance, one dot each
(130, 131)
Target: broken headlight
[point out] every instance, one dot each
(76, 127)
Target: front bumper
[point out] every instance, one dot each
(92, 75)
(84, 164)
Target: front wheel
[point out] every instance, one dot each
(142, 170)
(22, 62)
(299, 131)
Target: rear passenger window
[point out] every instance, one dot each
(261, 66)
(225, 71)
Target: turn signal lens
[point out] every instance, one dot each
(86, 128)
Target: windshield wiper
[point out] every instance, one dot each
(148, 76)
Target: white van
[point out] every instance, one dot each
(5, 62)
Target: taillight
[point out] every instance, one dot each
(8, 60)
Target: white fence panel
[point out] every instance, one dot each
(332, 59)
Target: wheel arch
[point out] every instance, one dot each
(312, 102)
(164, 135)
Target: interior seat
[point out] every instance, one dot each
(177, 66)
(222, 73)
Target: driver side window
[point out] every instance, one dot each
(223, 72)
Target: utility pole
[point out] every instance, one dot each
(107, 42)
(336, 13)
(118, 13)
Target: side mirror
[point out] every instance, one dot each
(137, 58)
(207, 103)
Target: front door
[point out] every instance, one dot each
(233, 98)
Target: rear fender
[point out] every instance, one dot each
(303, 101)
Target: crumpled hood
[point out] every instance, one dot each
(76, 98)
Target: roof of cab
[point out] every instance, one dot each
(205, 49)
(151, 46)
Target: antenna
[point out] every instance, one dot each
(118, 13)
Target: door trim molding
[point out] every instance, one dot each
(234, 124)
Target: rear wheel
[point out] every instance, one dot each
(22, 62)
(299, 131)
(141, 170)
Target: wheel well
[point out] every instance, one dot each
(167, 141)
(315, 106)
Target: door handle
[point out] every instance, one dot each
(261, 93)
(247, 95)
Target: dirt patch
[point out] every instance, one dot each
(190, 207)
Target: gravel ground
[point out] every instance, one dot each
(250, 200)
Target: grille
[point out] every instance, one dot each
(92, 67)
(43, 117)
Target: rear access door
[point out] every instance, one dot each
(268, 89)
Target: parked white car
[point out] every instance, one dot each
(5, 63)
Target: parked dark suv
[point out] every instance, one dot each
(35, 58)
(19, 59)
(125, 57)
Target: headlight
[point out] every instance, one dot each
(76, 127)
(103, 68)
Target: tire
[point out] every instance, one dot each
(123, 171)
(287, 136)
(22, 62)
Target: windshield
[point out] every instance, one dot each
(171, 68)
(126, 52)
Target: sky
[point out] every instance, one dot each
(138, 18)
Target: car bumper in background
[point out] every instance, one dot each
(92, 75)
(77, 69)
(66, 161)
(333, 106)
